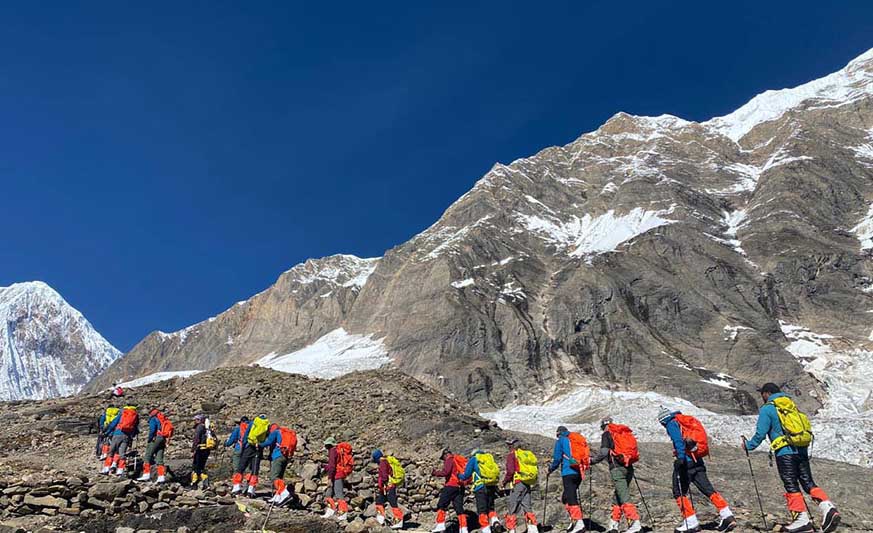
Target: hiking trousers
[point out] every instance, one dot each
(485, 498)
(388, 496)
(795, 472)
(520, 500)
(118, 445)
(336, 489)
(250, 458)
(199, 464)
(453, 496)
(686, 474)
(571, 489)
(621, 479)
(277, 468)
(154, 454)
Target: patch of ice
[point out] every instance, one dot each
(864, 230)
(609, 188)
(158, 376)
(847, 85)
(333, 355)
(463, 283)
(446, 237)
(342, 269)
(731, 332)
(595, 235)
(719, 382)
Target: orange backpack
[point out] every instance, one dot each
(345, 461)
(129, 420)
(287, 441)
(694, 435)
(624, 445)
(581, 453)
(167, 428)
(460, 467)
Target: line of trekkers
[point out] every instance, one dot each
(780, 421)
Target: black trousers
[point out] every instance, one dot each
(795, 472)
(389, 496)
(485, 499)
(250, 458)
(453, 496)
(571, 489)
(686, 474)
(200, 458)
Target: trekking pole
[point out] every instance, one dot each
(590, 496)
(545, 500)
(643, 498)
(269, 511)
(755, 483)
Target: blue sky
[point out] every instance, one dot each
(160, 161)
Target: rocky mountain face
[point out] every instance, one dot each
(42, 490)
(47, 348)
(652, 254)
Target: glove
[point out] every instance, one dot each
(678, 463)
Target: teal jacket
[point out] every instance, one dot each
(770, 428)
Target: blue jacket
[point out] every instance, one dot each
(233, 439)
(154, 427)
(769, 427)
(472, 468)
(675, 434)
(274, 439)
(561, 456)
(113, 430)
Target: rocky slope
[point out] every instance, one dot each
(652, 254)
(47, 348)
(48, 473)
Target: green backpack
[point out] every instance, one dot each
(489, 472)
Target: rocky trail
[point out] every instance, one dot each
(49, 477)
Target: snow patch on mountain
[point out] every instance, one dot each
(335, 354)
(864, 230)
(343, 269)
(157, 377)
(591, 235)
(47, 348)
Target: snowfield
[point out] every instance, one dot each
(157, 377)
(331, 356)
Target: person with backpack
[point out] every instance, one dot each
(123, 428)
(160, 431)
(103, 421)
(391, 475)
(452, 492)
(484, 474)
(202, 443)
(282, 443)
(618, 447)
(250, 456)
(521, 473)
(790, 435)
(690, 446)
(572, 456)
(235, 439)
(340, 464)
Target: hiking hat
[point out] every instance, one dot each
(330, 441)
(770, 388)
(200, 417)
(561, 429)
(377, 454)
(664, 414)
(444, 452)
(512, 442)
(153, 412)
(243, 419)
(605, 422)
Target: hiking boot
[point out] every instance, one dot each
(381, 520)
(161, 480)
(144, 477)
(688, 525)
(282, 497)
(612, 527)
(119, 472)
(532, 528)
(801, 524)
(251, 492)
(635, 527)
(329, 512)
(728, 523)
(342, 517)
(105, 470)
(830, 517)
(438, 528)
(578, 525)
(398, 525)
(235, 490)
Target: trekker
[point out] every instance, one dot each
(235, 439)
(201, 445)
(792, 458)
(282, 443)
(339, 466)
(250, 456)
(391, 475)
(484, 473)
(103, 421)
(571, 475)
(521, 474)
(452, 492)
(618, 448)
(160, 431)
(690, 446)
(123, 428)
(116, 392)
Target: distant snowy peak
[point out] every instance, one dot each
(48, 348)
(840, 88)
(342, 270)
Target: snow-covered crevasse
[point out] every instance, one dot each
(47, 348)
(158, 377)
(333, 355)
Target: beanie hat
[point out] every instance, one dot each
(561, 429)
(330, 441)
(377, 454)
(664, 414)
(605, 422)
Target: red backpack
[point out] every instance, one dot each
(167, 429)
(345, 461)
(694, 435)
(460, 467)
(581, 453)
(129, 420)
(624, 445)
(287, 441)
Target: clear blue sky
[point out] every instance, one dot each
(161, 160)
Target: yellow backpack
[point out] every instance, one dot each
(398, 474)
(796, 429)
(489, 472)
(111, 413)
(527, 467)
(260, 427)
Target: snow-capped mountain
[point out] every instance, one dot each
(653, 255)
(48, 348)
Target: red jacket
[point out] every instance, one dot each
(331, 463)
(511, 467)
(384, 474)
(449, 472)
